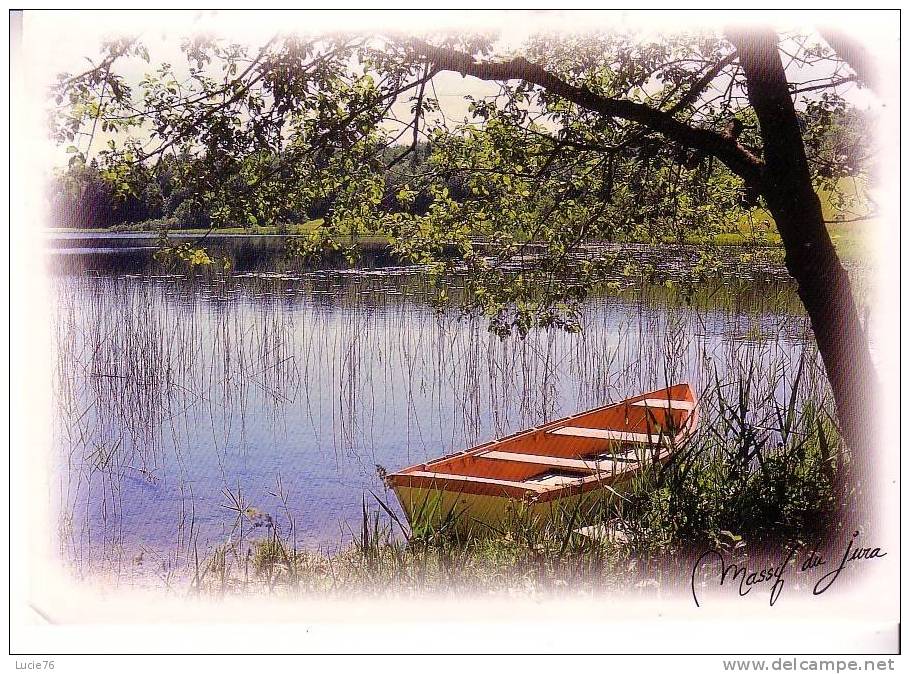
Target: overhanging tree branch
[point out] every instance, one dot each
(692, 95)
(740, 160)
(830, 84)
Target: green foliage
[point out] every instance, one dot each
(761, 471)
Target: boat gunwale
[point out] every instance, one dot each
(588, 480)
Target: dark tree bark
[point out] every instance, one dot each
(822, 281)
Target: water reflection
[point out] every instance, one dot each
(170, 390)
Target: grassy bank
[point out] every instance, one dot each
(851, 239)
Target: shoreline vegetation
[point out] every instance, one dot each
(754, 229)
(850, 239)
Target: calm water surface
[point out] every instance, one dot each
(176, 395)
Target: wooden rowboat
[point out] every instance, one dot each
(579, 459)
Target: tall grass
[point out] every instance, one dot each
(758, 470)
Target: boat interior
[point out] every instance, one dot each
(599, 445)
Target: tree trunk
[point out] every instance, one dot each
(823, 283)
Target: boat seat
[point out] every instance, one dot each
(665, 404)
(473, 479)
(606, 434)
(557, 478)
(600, 466)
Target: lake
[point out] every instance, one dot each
(177, 397)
